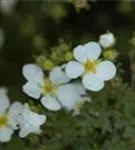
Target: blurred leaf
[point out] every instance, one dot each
(129, 132)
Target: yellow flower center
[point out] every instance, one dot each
(49, 87)
(3, 120)
(90, 66)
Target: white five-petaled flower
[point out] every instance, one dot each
(107, 40)
(30, 122)
(93, 71)
(49, 89)
(55, 92)
(8, 122)
(72, 96)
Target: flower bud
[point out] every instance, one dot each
(48, 64)
(110, 54)
(107, 40)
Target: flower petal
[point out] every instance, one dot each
(92, 83)
(74, 69)
(14, 114)
(4, 100)
(105, 70)
(5, 134)
(27, 130)
(91, 51)
(80, 102)
(33, 72)
(3, 90)
(67, 96)
(79, 53)
(32, 89)
(80, 89)
(33, 118)
(50, 103)
(30, 122)
(58, 76)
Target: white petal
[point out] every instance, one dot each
(74, 69)
(89, 51)
(30, 122)
(33, 72)
(92, 83)
(80, 89)
(50, 103)
(84, 99)
(33, 119)
(79, 103)
(32, 89)
(4, 101)
(3, 90)
(92, 50)
(58, 76)
(67, 96)
(79, 53)
(5, 134)
(105, 70)
(14, 114)
(27, 130)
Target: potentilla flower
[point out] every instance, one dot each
(107, 40)
(73, 96)
(38, 86)
(93, 71)
(55, 92)
(30, 122)
(7, 118)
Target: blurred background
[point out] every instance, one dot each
(31, 27)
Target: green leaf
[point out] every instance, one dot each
(14, 144)
(129, 132)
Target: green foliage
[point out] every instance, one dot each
(106, 124)
(14, 144)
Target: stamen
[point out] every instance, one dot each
(49, 87)
(90, 66)
(3, 120)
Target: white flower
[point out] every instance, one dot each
(30, 122)
(7, 122)
(46, 88)
(54, 93)
(67, 96)
(73, 96)
(107, 40)
(93, 71)
(7, 5)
